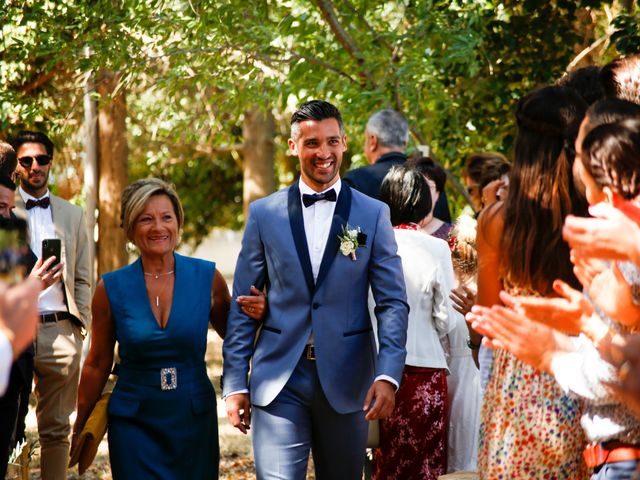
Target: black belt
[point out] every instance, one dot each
(55, 317)
(309, 352)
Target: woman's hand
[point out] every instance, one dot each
(613, 233)
(462, 299)
(254, 305)
(49, 277)
(490, 192)
(567, 313)
(530, 341)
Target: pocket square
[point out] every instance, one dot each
(362, 239)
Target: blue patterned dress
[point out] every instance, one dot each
(162, 413)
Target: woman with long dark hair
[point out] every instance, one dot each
(529, 428)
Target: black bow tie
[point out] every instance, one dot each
(42, 203)
(329, 196)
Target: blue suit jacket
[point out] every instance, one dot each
(274, 254)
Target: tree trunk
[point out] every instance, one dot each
(259, 175)
(112, 168)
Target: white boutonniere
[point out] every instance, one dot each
(350, 240)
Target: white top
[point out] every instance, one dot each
(41, 227)
(581, 373)
(317, 223)
(430, 319)
(6, 359)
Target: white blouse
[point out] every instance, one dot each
(430, 314)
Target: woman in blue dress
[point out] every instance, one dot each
(162, 412)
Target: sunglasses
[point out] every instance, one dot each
(27, 161)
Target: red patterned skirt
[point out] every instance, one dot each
(413, 440)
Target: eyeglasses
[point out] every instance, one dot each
(27, 161)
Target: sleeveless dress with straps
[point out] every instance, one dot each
(162, 413)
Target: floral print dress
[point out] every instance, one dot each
(529, 429)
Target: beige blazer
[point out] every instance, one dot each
(70, 226)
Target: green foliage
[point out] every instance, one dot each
(192, 68)
(627, 33)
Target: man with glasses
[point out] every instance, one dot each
(64, 306)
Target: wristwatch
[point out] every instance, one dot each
(471, 345)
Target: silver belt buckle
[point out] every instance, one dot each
(168, 378)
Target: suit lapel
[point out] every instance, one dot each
(340, 217)
(20, 211)
(296, 221)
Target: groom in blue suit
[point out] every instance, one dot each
(316, 376)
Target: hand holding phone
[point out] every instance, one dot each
(51, 248)
(48, 268)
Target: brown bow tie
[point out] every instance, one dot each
(42, 203)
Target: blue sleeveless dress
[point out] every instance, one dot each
(162, 413)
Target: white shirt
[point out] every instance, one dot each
(6, 360)
(317, 223)
(581, 373)
(41, 227)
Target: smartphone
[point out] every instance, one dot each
(14, 250)
(51, 248)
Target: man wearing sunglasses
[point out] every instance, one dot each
(63, 306)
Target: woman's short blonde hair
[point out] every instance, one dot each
(136, 196)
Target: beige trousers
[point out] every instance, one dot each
(57, 372)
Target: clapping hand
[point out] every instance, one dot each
(41, 271)
(569, 313)
(530, 341)
(608, 290)
(613, 234)
(462, 299)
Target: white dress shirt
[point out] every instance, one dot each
(317, 223)
(6, 360)
(41, 227)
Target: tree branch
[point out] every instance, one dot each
(376, 35)
(587, 51)
(329, 14)
(41, 79)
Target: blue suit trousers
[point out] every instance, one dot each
(301, 419)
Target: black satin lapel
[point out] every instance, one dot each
(297, 230)
(340, 218)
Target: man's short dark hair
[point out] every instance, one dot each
(7, 182)
(314, 110)
(407, 193)
(27, 136)
(8, 159)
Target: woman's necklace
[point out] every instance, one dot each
(156, 276)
